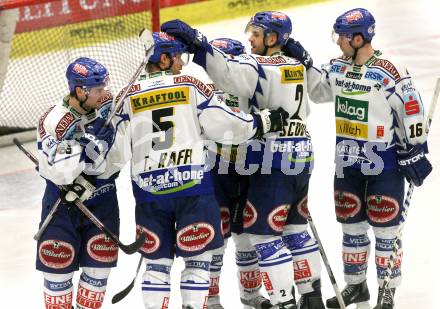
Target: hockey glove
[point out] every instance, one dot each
(270, 121)
(185, 33)
(294, 49)
(98, 138)
(81, 188)
(413, 164)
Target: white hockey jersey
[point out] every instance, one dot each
(61, 157)
(267, 82)
(376, 106)
(171, 117)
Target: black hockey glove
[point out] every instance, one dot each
(270, 121)
(81, 188)
(193, 38)
(413, 164)
(97, 139)
(294, 49)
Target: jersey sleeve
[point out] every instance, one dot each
(408, 109)
(223, 124)
(238, 76)
(60, 156)
(318, 85)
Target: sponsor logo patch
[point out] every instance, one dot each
(267, 283)
(270, 60)
(195, 237)
(383, 261)
(353, 16)
(277, 217)
(347, 205)
(89, 298)
(159, 98)
(380, 131)
(387, 66)
(152, 241)
(412, 106)
(250, 279)
(165, 303)
(301, 269)
(56, 253)
(381, 208)
(351, 109)
(353, 75)
(249, 215)
(214, 288)
(356, 258)
(292, 74)
(303, 208)
(226, 220)
(63, 125)
(351, 129)
(102, 249)
(336, 68)
(41, 130)
(59, 301)
(80, 69)
(204, 89)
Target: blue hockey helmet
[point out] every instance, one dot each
(271, 21)
(229, 46)
(86, 72)
(166, 44)
(355, 21)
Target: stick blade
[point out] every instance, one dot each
(147, 40)
(121, 295)
(134, 247)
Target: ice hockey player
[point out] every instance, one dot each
(275, 213)
(74, 149)
(231, 193)
(380, 141)
(170, 115)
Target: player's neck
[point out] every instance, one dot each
(74, 103)
(273, 50)
(364, 54)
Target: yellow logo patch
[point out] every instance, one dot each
(292, 74)
(159, 98)
(351, 129)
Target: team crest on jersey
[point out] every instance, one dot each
(195, 237)
(102, 249)
(292, 74)
(347, 204)
(382, 208)
(56, 253)
(152, 241)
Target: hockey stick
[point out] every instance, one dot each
(326, 261)
(147, 40)
(129, 249)
(119, 296)
(396, 244)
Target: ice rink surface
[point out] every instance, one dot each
(407, 30)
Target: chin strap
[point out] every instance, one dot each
(81, 102)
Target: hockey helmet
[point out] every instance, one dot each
(271, 21)
(87, 73)
(229, 46)
(355, 21)
(166, 44)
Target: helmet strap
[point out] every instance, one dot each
(82, 102)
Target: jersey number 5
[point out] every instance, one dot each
(160, 125)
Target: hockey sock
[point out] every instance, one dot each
(215, 270)
(355, 251)
(194, 281)
(249, 278)
(305, 255)
(58, 290)
(274, 259)
(91, 287)
(156, 284)
(385, 238)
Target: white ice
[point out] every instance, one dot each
(407, 30)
